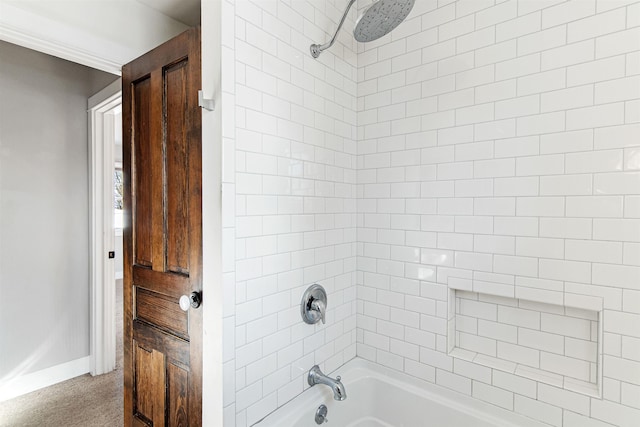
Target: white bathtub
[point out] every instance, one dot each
(381, 397)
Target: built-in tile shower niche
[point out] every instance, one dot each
(556, 344)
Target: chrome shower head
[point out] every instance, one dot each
(381, 18)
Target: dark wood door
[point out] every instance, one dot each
(162, 167)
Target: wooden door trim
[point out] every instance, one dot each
(196, 257)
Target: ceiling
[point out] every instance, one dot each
(185, 11)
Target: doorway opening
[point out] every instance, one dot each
(105, 158)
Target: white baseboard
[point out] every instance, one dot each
(24, 384)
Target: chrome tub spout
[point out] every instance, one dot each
(317, 377)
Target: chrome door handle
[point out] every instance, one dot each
(193, 300)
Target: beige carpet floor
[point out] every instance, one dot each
(83, 401)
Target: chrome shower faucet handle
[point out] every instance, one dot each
(313, 306)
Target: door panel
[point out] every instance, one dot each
(177, 164)
(178, 394)
(142, 199)
(161, 311)
(163, 235)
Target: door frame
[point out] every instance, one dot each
(102, 303)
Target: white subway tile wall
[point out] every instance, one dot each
(491, 146)
(289, 198)
(527, 200)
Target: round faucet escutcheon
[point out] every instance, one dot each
(313, 306)
(321, 414)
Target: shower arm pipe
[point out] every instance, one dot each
(316, 49)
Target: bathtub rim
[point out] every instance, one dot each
(361, 368)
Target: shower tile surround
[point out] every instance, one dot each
(289, 199)
(482, 158)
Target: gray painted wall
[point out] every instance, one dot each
(44, 243)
